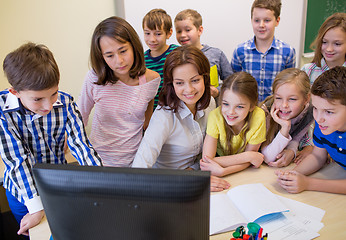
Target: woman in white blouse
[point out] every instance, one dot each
(174, 137)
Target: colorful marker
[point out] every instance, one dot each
(259, 234)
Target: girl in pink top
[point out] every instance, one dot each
(121, 89)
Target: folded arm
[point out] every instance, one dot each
(224, 165)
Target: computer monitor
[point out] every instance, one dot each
(89, 203)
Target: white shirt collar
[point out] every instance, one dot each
(12, 103)
(184, 112)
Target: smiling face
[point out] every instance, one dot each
(39, 102)
(235, 108)
(333, 47)
(188, 85)
(290, 101)
(330, 116)
(263, 23)
(118, 56)
(187, 33)
(156, 40)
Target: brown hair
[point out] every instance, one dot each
(245, 84)
(158, 19)
(289, 75)
(31, 67)
(331, 85)
(194, 16)
(273, 5)
(333, 21)
(181, 56)
(121, 31)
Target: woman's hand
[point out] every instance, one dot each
(218, 184)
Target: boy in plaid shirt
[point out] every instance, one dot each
(34, 118)
(264, 56)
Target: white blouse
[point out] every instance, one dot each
(173, 140)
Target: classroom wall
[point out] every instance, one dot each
(226, 22)
(65, 26)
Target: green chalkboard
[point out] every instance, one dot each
(317, 12)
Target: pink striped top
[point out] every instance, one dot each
(119, 115)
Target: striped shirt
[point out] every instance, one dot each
(156, 64)
(28, 138)
(263, 66)
(313, 71)
(119, 114)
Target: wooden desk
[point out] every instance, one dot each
(334, 220)
(2, 168)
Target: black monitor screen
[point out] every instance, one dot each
(85, 202)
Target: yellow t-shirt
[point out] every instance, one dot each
(255, 135)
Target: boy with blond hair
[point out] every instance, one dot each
(328, 96)
(157, 28)
(264, 56)
(188, 26)
(34, 118)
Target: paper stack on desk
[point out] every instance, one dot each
(280, 217)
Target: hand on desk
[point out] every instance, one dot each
(283, 159)
(255, 158)
(208, 164)
(303, 153)
(218, 184)
(230, 166)
(292, 181)
(29, 221)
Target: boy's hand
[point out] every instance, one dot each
(292, 181)
(65, 144)
(218, 184)
(283, 159)
(207, 164)
(285, 124)
(256, 158)
(214, 91)
(303, 153)
(30, 221)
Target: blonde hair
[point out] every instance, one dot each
(193, 15)
(245, 84)
(289, 75)
(333, 21)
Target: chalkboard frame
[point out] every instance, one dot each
(317, 12)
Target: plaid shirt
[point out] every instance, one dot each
(28, 138)
(263, 66)
(313, 71)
